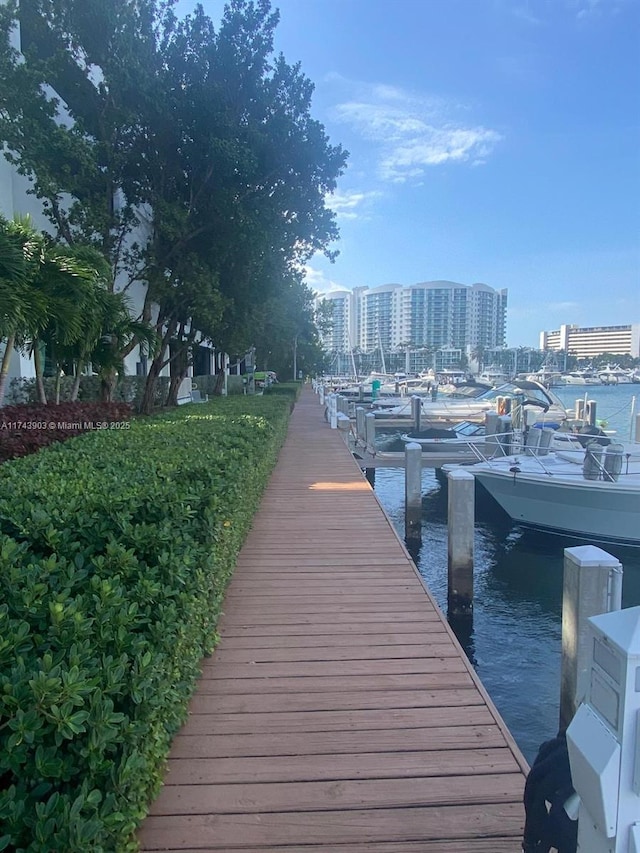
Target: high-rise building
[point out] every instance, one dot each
(436, 315)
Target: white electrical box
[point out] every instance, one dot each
(604, 737)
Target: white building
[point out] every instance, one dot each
(436, 316)
(591, 341)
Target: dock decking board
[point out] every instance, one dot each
(338, 711)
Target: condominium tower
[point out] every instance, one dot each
(436, 315)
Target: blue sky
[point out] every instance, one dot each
(493, 141)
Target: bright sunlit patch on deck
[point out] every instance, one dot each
(352, 486)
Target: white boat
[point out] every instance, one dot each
(493, 376)
(615, 376)
(580, 377)
(459, 437)
(458, 408)
(555, 492)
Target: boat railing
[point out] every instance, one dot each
(592, 462)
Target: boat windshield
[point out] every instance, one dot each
(466, 428)
(531, 391)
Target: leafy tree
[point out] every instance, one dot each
(188, 155)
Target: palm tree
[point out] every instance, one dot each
(477, 354)
(12, 281)
(48, 298)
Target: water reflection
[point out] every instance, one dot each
(515, 639)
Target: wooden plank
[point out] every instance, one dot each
(298, 768)
(334, 700)
(352, 794)
(356, 628)
(441, 661)
(233, 832)
(311, 686)
(237, 644)
(345, 651)
(290, 722)
(329, 743)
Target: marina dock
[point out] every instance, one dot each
(338, 711)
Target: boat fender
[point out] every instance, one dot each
(612, 463)
(592, 465)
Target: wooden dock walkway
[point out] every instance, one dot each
(338, 712)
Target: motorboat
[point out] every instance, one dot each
(454, 409)
(580, 377)
(462, 436)
(493, 376)
(590, 492)
(459, 437)
(615, 376)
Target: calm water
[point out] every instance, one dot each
(515, 643)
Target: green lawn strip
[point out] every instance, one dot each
(115, 551)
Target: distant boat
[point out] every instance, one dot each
(580, 377)
(615, 376)
(474, 408)
(493, 376)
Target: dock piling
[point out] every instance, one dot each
(592, 585)
(413, 490)
(461, 520)
(360, 424)
(416, 411)
(370, 431)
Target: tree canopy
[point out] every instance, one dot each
(186, 154)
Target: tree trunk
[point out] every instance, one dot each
(108, 382)
(37, 362)
(58, 381)
(4, 369)
(174, 387)
(75, 388)
(218, 388)
(148, 399)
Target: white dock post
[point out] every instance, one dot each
(413, 490)
(592, 585)
(370, 431)
(416, 411)
(321, 393)
(333, 411)
(360, 424)
(461, 520)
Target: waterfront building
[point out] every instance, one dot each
(592, 341)
(436, 323)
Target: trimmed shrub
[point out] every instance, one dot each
(25, 429)
(115, 551)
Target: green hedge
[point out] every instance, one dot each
(115, 550)
(291, 390)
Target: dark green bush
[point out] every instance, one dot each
(115, 551)
(284, 389)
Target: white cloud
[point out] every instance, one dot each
(412, 133)
(318, 281)
(348, 205)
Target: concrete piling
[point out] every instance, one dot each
(413, 490)
(592, 585)
(461, 521)
(370, 431)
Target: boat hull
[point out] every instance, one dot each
(609, 512)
